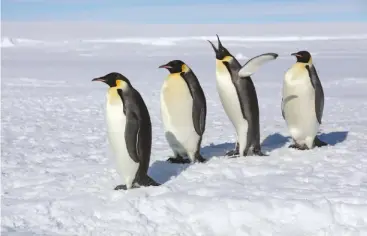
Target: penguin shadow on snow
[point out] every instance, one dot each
(217, 150)
(333, 138)
(277, 140)
(271, 143)
(274, 141)
(163, 170)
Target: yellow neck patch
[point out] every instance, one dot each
(121, 84)
(185, 68)
(227, 59)
(174, 75)
(220, 67)
(112, 96)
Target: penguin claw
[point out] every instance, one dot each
(261, 154)
(146, 181)
(200, 159)
(234, 156)
(298, 147)
(233, 152)
(178, 160)
(120, 187)
(319, 143)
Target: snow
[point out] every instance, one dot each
(57, 173)
(6, 42)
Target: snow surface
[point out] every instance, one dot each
(57, 175)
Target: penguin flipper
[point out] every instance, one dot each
(319, 92)
(138, 130)
(132, 133)
(255, 63)
(282, 107)
(199, 102)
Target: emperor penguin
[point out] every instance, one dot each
(239, 99)
(183, 111)
(303, 102)
(129, 131)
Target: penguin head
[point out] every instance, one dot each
(114, 79)
(221, 53)
(303, 56)
(176, 66)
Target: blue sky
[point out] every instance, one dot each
(188, 11)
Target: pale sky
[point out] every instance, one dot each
(187, 11)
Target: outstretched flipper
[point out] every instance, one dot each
(255, 63)
(319, 143)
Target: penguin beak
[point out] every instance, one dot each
(165, 66)
(295, 54)
(219, 42)
(215, 50)
(99, 79)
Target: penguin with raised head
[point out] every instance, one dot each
(129, 131)
(303, 102)
(239, 99)
(183, 111)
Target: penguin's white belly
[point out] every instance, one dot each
(231, 104)
(299, 107)
(116, 122)
(176, 111)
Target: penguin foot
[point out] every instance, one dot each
(234, 156)
(178, 160)
(260, 153)
(319, 143)
(200, 159)
(233, 152)
(120, 187)
(147, 181)
(298, 147)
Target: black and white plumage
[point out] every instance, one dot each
(129, 131)
(238, 97)
(183, 111)
(303, 102)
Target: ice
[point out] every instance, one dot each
(57, 175)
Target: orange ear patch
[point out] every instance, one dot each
(185, 68)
